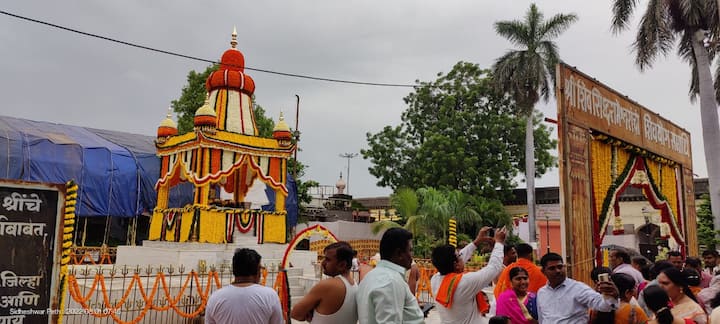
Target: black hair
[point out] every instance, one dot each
(444, 258)
(550, 256)
(517, 270)
(595, 272)
(622, 254)
(246, 262)
(711, 252)
(644, 264)
(674, 254)
(658, 267)
(692, 277)
(693, 262)
(623, 282)
(393, 241)
(524, 251)
(657, 301)
(679, 279)
(343, 252)
(507, 248)
(499, 320)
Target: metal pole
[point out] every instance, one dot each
(297, 135)
(348, 156)
(547, 231)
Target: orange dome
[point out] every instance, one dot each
(231, 72)
(205, 115)
(281, 129)
(225, 78)
(232, 60)
(167, 126)
(165, 131)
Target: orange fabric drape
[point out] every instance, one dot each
(447, 291)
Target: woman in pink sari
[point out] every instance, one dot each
(517, 303)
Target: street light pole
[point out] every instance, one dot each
(547, 231)
(348, 156)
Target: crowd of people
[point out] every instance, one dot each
(632, 290)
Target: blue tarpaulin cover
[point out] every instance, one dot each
(116, 171)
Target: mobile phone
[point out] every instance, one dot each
(604, 277)
(491, 232)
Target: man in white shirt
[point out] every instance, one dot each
(244, 301)
(566, 301)
(383, 295)
(331, 300)
(619, 260)
(458, 299)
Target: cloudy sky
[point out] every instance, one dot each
(53, 75)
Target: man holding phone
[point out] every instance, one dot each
(564, 300)
(459, 295)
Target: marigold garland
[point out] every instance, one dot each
(148, 299)
(71, 189)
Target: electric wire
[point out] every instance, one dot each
(195, 58)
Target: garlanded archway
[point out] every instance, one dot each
(281, 281)
(614, 167)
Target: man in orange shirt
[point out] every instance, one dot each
(524, 260)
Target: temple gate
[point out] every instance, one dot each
(608, 142)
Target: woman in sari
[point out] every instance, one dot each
(517, 303)
(685, 305)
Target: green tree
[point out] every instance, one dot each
(528, 74)
(707, 236)
(427, 211)
(457, 133)
(684, 23)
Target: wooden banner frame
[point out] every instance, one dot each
(586, 106)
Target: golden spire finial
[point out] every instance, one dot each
(281, 116)
(233, 41)
(169, 114)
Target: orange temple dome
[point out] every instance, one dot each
(167, 126)
(205, 115)
(231, 72)
(281, 132)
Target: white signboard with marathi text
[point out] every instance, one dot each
(593, 105)
(30, 218)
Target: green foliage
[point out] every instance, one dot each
(427, 212)
(191, 98)
(528, 74)
(457, 133)
(423, 245)
(707, 236)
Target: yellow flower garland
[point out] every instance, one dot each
(71, 190)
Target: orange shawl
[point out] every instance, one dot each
(446, 292)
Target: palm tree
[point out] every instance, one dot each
(406, 203)
(683, 22)
(528, 74)
(428, 211)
